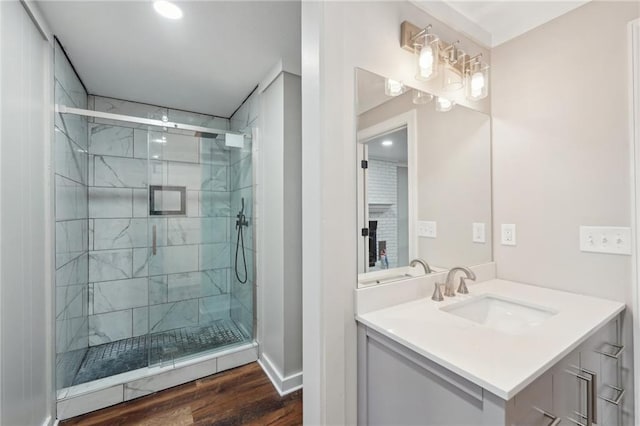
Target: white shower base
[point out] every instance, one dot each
(80, 399)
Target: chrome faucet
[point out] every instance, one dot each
(425, 265)
(462, 288)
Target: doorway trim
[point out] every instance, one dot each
(634, 134)
(409, 120)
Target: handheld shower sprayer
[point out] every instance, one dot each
(241, 223)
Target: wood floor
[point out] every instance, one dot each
(242, 396)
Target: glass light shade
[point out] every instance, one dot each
(444, 104)
(421, 98)
(477, 85)
(452, 79)
(393, 87)
(167, 9)
(427, 54)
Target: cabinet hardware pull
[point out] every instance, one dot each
(589, 377)
(614, 353)
(619, 394)
(154, 242)
(555, 420)
(593, 394)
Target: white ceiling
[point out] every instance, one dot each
(396, 153)
(492, 23)
(208, 61)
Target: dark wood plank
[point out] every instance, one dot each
(242, 396)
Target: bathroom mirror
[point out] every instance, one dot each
(424, 181)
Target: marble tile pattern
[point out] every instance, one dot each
(188, 280)
(70, 165)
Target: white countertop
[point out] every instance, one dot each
(501, 363)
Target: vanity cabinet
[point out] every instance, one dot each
(397, 386)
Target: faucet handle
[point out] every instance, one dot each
(462, 288)
(437, 293)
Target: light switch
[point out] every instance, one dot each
(605, 239)
(478, 233)
(508, 234)
(427, 229)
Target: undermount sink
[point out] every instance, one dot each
(501, 314)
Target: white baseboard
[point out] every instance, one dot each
(50, 422)
(284, 385)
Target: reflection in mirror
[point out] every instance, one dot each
(387, 192)
(424, 182)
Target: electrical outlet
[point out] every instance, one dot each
(478, 233)
(427, 229)
(508, 235)
(605, 239)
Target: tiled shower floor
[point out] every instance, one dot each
(138, 352)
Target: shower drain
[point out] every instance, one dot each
(138, 352)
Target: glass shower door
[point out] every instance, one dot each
(189, 256)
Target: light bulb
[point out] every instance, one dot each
(425, 61)
(387, 143)
(393, 87)
(420, 98)
(426, 54)
(477, 84)
(167, 9)
(444, 104)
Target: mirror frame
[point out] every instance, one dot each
(409, 120)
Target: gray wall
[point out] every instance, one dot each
(281, 259)
(561, 152)
(26, 265)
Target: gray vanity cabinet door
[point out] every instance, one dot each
(568, 392)
(401, 392)
(527, 407)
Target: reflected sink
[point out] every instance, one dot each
(501, 314)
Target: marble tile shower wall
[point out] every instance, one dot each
(131, 291)
(72, 225)
(242, 163)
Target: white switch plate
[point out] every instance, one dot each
(427, 229)
(605, 239)
(508, 234)
(479, 235)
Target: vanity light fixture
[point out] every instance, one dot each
(460, 70)
(167, 9)
(444, 104)
(420, 98)
(426, 48)
(477, 80)
(387, 143)
(393, 87)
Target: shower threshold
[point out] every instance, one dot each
(181, 355)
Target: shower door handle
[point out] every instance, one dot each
(154, 248)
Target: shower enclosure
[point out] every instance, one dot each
(154, 243)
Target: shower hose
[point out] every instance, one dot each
(240, 224)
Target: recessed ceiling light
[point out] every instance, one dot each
(167, 9)
(387, 143)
